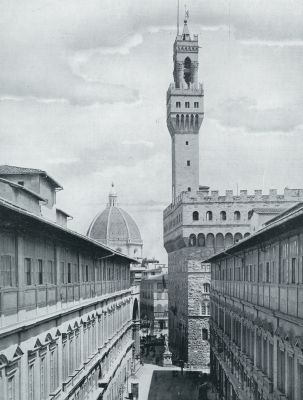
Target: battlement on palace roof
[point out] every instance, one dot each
(213, 196)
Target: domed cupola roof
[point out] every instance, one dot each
(114, 226)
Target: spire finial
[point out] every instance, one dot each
(185, 34)
(186, 16)
(112, 196)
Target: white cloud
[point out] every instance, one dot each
(138, 142)
(245, 113)
(272, 43)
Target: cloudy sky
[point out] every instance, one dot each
(82, 95)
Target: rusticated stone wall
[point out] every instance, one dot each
(198, 349)
(198, 295)
(187, 316)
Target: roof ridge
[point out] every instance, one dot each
(22, 168)
(54, 225)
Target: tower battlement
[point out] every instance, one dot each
(190, 91)
(213, 196)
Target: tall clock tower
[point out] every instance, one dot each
(185, 114)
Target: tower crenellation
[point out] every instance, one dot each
(288, 195)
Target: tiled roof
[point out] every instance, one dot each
(58, 229)
(13, 170)
(268, 210)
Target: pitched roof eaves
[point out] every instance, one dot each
(64, 229)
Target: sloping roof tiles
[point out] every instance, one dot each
(13, 170)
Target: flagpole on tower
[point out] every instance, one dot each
(178, 17)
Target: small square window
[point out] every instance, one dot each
(188, 163)
(189, 189)
(186, 143)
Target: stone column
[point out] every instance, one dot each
(23, 365)
(194, 73)
(59, 358)
(255, 347)
(81, 333)
(180, 74)
(286, 376)
(231, 326)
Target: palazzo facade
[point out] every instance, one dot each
(199, 221)
(67, 312)
(257, 315)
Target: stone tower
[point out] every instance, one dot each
(185, 114)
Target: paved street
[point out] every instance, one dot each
(160, 383)
(171, 385)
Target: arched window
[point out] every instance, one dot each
(195, 216)
(204, 334)
(237, 216)
(209, 216)
(189, 189)
(210, 241)
(187, 121)
(192, 240)
(229, 241)
(196, 120)
(238, 237)
(182, 121)
(206, 287)
(219, 241)
(201, 240)
(222, 216)
(246, 234)
(204, 308)
(187, 70)
(177, 121)
(192, 121)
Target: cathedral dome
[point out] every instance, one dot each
(115, 228)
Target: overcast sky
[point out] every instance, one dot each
(83, 88)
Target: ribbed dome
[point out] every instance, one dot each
(114, 225)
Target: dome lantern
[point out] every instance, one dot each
(112, 197)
